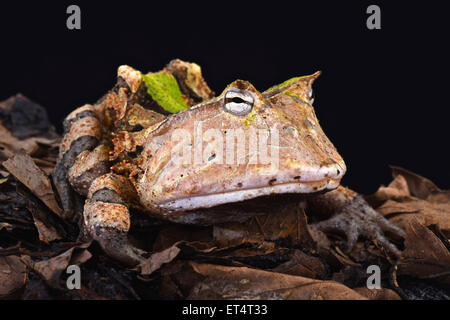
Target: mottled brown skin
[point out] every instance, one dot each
(115, 154)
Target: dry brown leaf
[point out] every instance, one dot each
(378, 294)
(415, 203)
(222, 282)
(34, 146)
(45, 165)
(50, 270)
(233, 234)
(421, 187)
(6, 225)
(169, 289)
(303, 265)
(46, 233)
(178, 278)
(416, 209)
(396, 190)
(46, 230)
(10, 145)
(157, 259)
(175, 233)
(290, 222)
(412, 197)
(81, 254)
(25, 125)
(256, 249)
(425, 256)
(26, 171)
(280, 225)
(13, 276)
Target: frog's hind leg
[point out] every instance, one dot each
(107, 218)
(353, 216)
(82, 134)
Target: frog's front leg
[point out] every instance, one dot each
(349, 213)
(82, 133)
(107, 218)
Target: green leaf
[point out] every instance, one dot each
(163, 88)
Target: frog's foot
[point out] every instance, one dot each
(107, 218)
(116, 245)
(357, 218)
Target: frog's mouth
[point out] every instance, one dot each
(216, 199)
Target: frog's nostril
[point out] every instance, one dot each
(334, 171)
(340, 170)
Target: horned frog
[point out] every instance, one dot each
(124, 152)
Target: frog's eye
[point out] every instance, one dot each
(239, 103)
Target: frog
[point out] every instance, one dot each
(128, 152)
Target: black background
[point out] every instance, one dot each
(382, 97)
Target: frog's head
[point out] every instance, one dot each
(240, 145)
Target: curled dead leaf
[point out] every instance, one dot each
(47, 233)
(13, 276)
(51, 270)
(6, 225)
(290, 222)
(301, 264)
(172, 234)
(221, 282)
(412, 197)
(157, 259)
(378, 294)
(25, 170)
(425, 256)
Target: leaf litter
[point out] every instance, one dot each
(275, 256)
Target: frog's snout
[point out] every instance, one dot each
(321, 174)
(333, 171)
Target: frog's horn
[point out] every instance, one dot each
(299, 86)
(311, 78)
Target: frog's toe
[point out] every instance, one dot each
(116, 245)
(352, 235)
(362, 221)
(389, 226)
(387, 245)
(341, 223)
